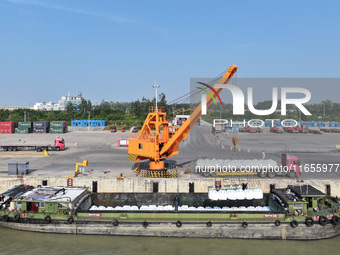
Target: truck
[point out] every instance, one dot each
(303, 129)
(59, 145)
(251, 129)
(291, 130)
(290, 166)
(276, 129)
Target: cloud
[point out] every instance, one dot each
(111, 18)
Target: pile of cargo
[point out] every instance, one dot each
(330, 130)
(7, 127)
(233, 164)
(238, 194)
(58, 127)
(180, 208)
(24, 127)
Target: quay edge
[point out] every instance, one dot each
(142, 185)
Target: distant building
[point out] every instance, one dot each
(11, 108)
(49, 106)
(62, 103)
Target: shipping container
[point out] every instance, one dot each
(40, 130)
(59, 124)
(8, 124)
(62, 121)
(41, 124)
(93, 123)
(102, 123)
(6, 130)
(55, 124)
(57, 130)
(25, 124)
(21, 130)
(86, 123)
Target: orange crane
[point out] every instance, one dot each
(157, 141)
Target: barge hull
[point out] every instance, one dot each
(191, 230)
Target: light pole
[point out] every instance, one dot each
(24, 116)
(324, 112)
(155, 87)
(88, 123)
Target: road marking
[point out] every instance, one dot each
(20, 154)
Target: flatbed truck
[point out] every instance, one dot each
(59, 145)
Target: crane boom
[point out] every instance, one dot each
(157, 141)
(183, 131)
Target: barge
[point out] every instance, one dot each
(299, 212)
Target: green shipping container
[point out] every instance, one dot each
(57, 124)
(57, 130)
(21, 130)
(25, 124)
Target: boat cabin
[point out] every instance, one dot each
(299, 199)
(52, 200)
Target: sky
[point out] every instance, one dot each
(116, 50)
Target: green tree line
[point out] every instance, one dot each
(127, 114)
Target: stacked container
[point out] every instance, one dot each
(41, 127)
(86, 123)
(24, 127)
(58, 127)
(7, 127)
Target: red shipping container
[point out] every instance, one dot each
(6, 130)
(8, 124)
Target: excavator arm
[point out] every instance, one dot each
(171, 147)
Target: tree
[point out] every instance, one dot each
(69, 107)
(162, 100)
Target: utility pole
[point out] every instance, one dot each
(324, 112)
(155, 87)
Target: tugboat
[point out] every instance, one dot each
(299, 212)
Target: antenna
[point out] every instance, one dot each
(155, 87)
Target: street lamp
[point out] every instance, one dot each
(155, 87)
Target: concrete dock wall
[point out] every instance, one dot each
(164, 185)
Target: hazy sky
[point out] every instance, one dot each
(115, 50)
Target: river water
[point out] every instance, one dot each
(20, 242)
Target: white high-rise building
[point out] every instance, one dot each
(62, 103)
